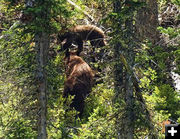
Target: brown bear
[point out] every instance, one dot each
(79, 79)
(81, 33)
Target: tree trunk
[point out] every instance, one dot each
(123, 84)
(146, 28)
(42, 43)
(42, 46)
(129, 97)
(147, 21)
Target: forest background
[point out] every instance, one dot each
(136, 89)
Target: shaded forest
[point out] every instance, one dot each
(117, 76)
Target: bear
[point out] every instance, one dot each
(79, 80)
(81, 33)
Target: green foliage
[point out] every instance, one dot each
(99, 111)
(177, 60)
(97, 122)
(13, 124)
(172, 50)
(177, 2)
(172, 32)
(103, 109)
(18, 67)
(167, 100)
(42, 15)
(154, 63)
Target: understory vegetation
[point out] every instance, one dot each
(136, 86)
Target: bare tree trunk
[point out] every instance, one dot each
(42, 45)
(147, 21)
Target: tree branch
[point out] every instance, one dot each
(79, 8)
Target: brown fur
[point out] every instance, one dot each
(82, 33)
(79, 77)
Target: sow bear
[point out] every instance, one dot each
(79, 78)
(81, 33)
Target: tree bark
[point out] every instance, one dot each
(129, 88)
(147, 21)
(146, 28)
(123, 84)
(42, 46)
